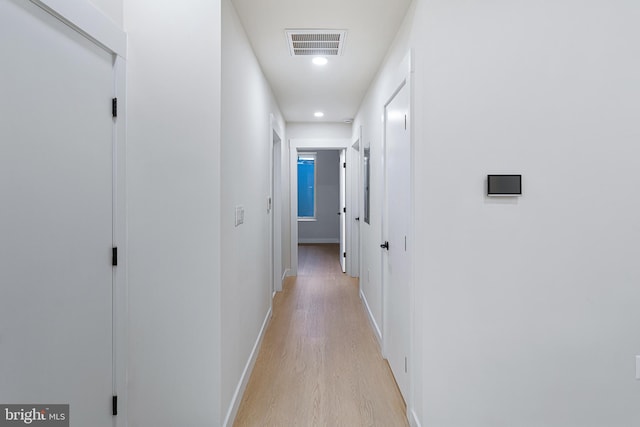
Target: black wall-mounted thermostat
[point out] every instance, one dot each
(504, 185)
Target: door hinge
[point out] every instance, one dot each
(114, 405)
(114, 257)
(344, 209)
(405, 122)
(114, 107)
(344, 165)
(344, 254)
(405, 365)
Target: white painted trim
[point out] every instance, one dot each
(287, 273)
(354, 174)
(121, 289)
(86, 19)
(319, 240)
(319, 144)
(276, 208)
(294, 146)
(372, 320)
(244, 379)
(414, 356)
(413, 419)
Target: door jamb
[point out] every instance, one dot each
(355, 195)
(345, 192)
(276, 208)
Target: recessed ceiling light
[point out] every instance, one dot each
(320, 60)
(318, 114)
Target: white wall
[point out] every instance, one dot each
(247, 104)
(369, 117)
(173, 171)
(111, 8)
(547, 89)
(329, 130)
(326, 227)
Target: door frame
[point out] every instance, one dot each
(342, 155)
(296, 145)
(403, 77)
(355, 195)
(84, 18)
(276, 208)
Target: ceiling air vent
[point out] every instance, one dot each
(316, 42)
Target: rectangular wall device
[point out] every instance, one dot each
(504, 185)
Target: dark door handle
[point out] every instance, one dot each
(357, 218)
(385, 245)
(338, 213)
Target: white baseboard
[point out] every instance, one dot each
(376, 329)
(413, 419)
(244, 379)
(279, 286)
(312, 240)
(287, 273)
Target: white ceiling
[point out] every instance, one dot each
(302, 88)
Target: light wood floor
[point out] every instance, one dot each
(320, 364)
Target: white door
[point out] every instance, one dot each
(396, 219)
(343, 210)
(55, 216)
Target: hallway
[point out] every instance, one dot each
(151, 194)
(319, 363)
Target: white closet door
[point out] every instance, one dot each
(55, 216)
(396, 219)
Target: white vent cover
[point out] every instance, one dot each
(316, 42)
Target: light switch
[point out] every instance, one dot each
(239, 215)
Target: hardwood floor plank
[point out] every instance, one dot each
(319, 363)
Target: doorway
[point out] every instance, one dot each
(314, 147)
(320, 197)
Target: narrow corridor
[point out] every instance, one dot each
(320, 364)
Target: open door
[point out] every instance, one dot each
(343, 210)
